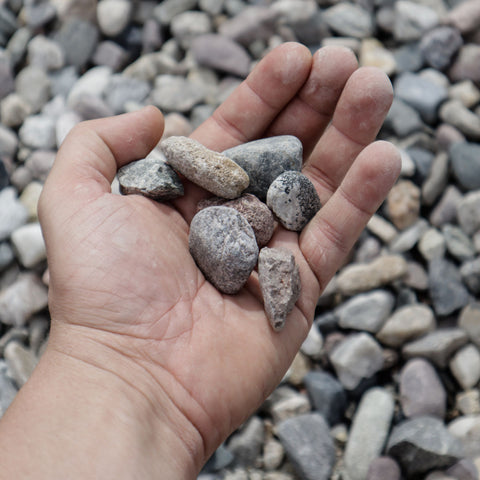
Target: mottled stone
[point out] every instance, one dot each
(211, 170)
(38, 132)
(289, 406)
(421, 390)
(447, 291)
(121, 90)
(265, 159)
(369, 432)
(293, 199)
(223, 244)
(45, 53)
(308, 445)
(403, 204)
(407, 323)
(246, 444)
(150, 177)
(29, 244)
(168, 9)
(355, 358)
(458, 243)
(468, 402)
(7, 389)
(437, 346)
(468, 212)
(280, 284)
(427, 441)
(257, 214)
(439, 45)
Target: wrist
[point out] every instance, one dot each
(90, 412)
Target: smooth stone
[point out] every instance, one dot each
(45, 53)
(224, 247)
(246, 444)
(421, 94)
(468, 402)
(469, 320)
(253, 23)
(406, 323)
(465, 161)
(6, 255)
(437, 346)
(17, 45)
(446, 208)
(293, 199)
(29, 245)
(349, 20)
(383, 468)
(421, 390)
(150, 177)
(355, 358)
(432, 245)
(416, 276)
(210, 170)
(412, 20)
(439, 45)
(273, 454)
(21, 362)
(38, 132)
(428, 441)
(369, 432)
(111, 55)
(176, 124)
(436, 180)
(466, 92)
(39, 164)
(78, 39)
(466, 429)
(113, 16)
(465, 469)
(465, 366)
(279, 279)
(89, 107)
(403, 204)
(308, 445)
(382, 228)
(21, 299)
(14, 110)
(8, 390)
(465, 16)
(93, 83)
(358, 278)
(403, 119)
(367, 311)
(120, 90)
(466, 64)
(455, 113)
(447, 291)
(257, 214)
(12, 213)
(409, 237)
(175, 93)
(187, 26)
(221, 53)
(266, 159)
(168, 9)
(37, 16)
(468, 212)
(326, 395)
(34, 86)
(458, 243)
(374, 54)
(312, 346)
(289, 406)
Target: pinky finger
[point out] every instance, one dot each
(331, 234)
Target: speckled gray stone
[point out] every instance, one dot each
(150, 177)
(223, 244)
(280, 284)
(265, 159)
(257, 214)
(210, 170)
(293, 199)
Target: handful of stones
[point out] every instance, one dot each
(253, 185)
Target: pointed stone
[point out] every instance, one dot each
(280, 284)
(210, 170)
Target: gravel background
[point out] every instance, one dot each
(388, 379)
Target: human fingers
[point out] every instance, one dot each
(358, 116)
(331, 234)
(309, 112)
(91, 154)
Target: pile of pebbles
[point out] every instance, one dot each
(386, 386)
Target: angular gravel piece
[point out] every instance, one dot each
(223, 244)
(150, 177)
(257, 214)
(265, 159)
(280, 284)
(293, 199)
(210, 170)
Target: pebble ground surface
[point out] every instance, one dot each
(390, 370)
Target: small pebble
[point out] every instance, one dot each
(211, 170)
(293, 199)
(224, 246)
(150, 177)
(280, 284)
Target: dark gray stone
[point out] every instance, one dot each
(403, 119)
(150, 177)
(447, 291)
(465, 161)
(422, 444)
(326, 395)
(246, 445)
(439, 45)
(309, 445)
(421, 390)
(223, 244)
(293, 199)
(279, 282)
(8, 22)
(265, 159)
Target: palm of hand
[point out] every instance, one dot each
(121, 271)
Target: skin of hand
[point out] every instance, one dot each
(148, 367)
